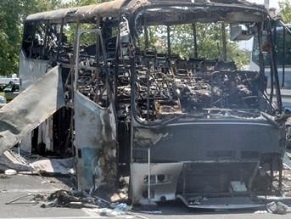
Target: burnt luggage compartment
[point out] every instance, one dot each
(238, 160)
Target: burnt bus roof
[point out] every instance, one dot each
(82, 13)
(117, 7)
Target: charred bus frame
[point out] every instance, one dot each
(190, 128)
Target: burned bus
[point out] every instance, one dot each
(147, 98)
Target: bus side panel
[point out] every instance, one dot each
(30, 70)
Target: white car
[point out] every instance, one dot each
(2, 101)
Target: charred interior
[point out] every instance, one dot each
(204, 116)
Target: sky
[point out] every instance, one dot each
(273, 3)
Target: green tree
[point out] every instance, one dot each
(209, 42)
(285, 10)
(9, 35)
(12, 14)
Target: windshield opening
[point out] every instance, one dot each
(184, 67)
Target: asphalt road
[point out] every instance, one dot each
(17, 192)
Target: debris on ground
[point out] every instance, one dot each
(112, 203)
(24, 200)
(50, 166)
(76, 199)
(10, 172)
(36, 165)
(69, 199)
(277, 207)
(12, 160)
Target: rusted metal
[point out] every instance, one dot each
(80, 13)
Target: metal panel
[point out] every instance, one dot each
(160, 190)
(30, 108)
(112, 8)
(206, 141)
(30, 70)
(95, 142)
